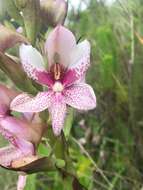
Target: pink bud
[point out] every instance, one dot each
(23, 137)
(9, 38)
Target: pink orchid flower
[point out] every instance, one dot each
(67, 66)
(22, 135)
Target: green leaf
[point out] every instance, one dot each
(15, 72)
(44, 149)
(31, 182)
(60, 163)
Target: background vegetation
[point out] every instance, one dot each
(107, 147)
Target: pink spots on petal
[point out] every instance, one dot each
(8, 135)
(25, 103)
(8, 154)
(19, 146)
(80, 96)
(32, 61)
(31, 71)
(76, 73)
(23, 145)
(42, 77)
(58, 113)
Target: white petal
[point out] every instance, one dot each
(60, 42)
(32, 60)
(80, 61)
(82, 50)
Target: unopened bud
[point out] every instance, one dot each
(53, 12)
(20, 4)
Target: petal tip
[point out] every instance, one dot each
(57, 131)
(24, 47)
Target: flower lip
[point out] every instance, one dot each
(58, 87)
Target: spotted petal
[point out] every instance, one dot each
(8, 154)
(19, 136)
(33, 64)
(80, 96)
(58, 112)
(24, 146)
(79, 63)
(15, 127)
(25, 103)
(59, 45)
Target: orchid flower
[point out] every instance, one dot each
(22, 135)
(24, 138)
(64, 77)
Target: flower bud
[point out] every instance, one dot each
(24, 137)
(6, 96)
(9, 38)
(53, 12)
(20, 3)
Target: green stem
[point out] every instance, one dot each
(60, 148)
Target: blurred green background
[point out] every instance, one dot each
(108, 141)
